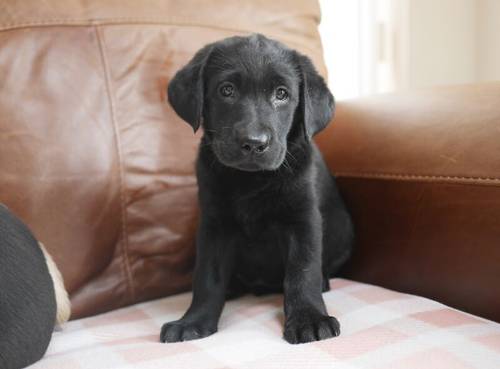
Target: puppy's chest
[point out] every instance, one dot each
(260, 253)
(262, 229)
(262, 244)
(261, 208)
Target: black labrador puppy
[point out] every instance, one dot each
(272, 218)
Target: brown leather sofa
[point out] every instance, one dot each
(101, 168)
(421, 174)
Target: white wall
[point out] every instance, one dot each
(340, 35)
(488, 35)
(350, 30)
(442, 42)
(374, 46)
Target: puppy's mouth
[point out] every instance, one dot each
(251, 167)
(231, 157)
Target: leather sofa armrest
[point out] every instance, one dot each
(420, 172)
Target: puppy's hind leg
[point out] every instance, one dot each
(326, 284)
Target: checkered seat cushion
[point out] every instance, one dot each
(380, 329)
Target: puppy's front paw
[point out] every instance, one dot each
(308, 328)
(181, 330)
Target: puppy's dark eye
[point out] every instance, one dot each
(281, 93)
(226, 90)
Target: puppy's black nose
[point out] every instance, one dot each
(255, 143)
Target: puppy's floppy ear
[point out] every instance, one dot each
(316, 101)
(186, 89)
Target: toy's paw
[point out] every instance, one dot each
(181, 330)
(308, 328)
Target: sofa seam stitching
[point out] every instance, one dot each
(125, 262)
(401, 176)
(121, 20)
(131, 21)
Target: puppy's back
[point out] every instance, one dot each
(27, 300)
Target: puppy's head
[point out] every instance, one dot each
(248, 93)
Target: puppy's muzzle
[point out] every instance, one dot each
(255, 143)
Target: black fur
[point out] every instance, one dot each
(27, 298)
(272, 219)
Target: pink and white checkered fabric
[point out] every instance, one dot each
(381, 329)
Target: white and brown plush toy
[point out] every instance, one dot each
(33, 299)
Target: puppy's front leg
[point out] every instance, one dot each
(214, 262)
(306, 318)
